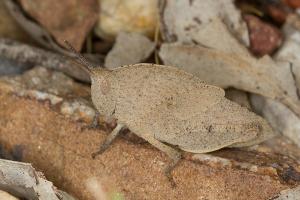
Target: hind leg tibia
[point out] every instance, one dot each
(174, 154)
(108, 140)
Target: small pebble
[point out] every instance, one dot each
(264, 38)
(293, 3)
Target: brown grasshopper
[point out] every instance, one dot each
(171, 108)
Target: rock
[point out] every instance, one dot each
(56, 88)
(293, 3)
(65, 20)
(57, 145)
(278, 12)
(264, 38)
(136, 16)
(9, 67)
(129, 48)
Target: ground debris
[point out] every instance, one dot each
(70, 16)
(33, 56)
(22, 180)
(129, 48)
(264, 38)
(289, 194)
(182, 21)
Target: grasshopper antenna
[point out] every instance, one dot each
(84, 63)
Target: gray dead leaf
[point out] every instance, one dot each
(182, 20)
(129, 48)
(291, 47)
(288, 194)
(22, 180)
(278, 115)
(219, 64)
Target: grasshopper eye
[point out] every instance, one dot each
(104, 86)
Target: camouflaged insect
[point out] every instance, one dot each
(165, 105)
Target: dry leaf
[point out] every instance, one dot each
(129, 48)
(182, 20)
(278, 115)
(70, 20)
(226, 63)
(291, 47)
(22, 180)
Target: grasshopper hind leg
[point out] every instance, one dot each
(108, 140)
(174, 154)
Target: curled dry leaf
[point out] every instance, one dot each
(38, 33)
(291, 47)
(69, 19)
(289, 50)
(226, 63)
(129, 48)
(182, 20)
(278, 115)
(22, 180)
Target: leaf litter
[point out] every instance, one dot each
(221, 60)
(22, 180)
